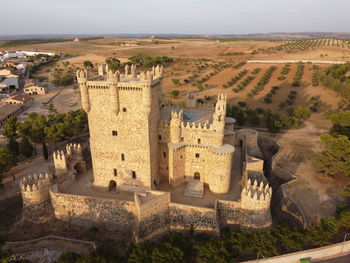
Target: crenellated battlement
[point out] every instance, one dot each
(60, 162)
(196, 125)
(35, 182)
(62, 159)
(256, 196)
(74, 149)
(177, 115)
(35, 189)
(130, 74)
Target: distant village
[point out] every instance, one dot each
(16, 88)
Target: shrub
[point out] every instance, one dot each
(267, 100)
(175, 93)
(176, 82)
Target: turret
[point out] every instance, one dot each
(82, 76)
(101, 70)
(175, 126)
(126, 71)
(60, 162)
(219, 119)
(35, 189)
(113, 79)
(133, 71)
(158, 72)
(256, 196)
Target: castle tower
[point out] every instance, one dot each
(123, 118)
(175, 126)
(82, 76)
(219, 119)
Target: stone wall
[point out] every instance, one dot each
(287, 208)
(93, 211)
(211, 165)
(250, 139)
(153, 215)
(229, 212)
(183, 217)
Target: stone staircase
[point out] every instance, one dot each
(194, 188)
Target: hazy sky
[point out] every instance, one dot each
(172, 16)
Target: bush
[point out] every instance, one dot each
(268, 100)
(301, 113)
(176, 82)
(68, 257)
(175, 93)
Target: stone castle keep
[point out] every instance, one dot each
(155, 168)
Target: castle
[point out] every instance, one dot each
(155, 168)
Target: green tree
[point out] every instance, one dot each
(341, 123)
(68, 257)
(7, 160)
(10, 128)
(88, 64)
(301, 113)
(176, 82)
(13, 146)
(213, 251)
(103, 254)
(141, 253)
(321, 234)
(113, 63)
(273, 122)
(25, 148)
(175, 93)
(335, 156)
(167, 253)
(45, 151)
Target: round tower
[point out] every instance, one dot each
(113, 78)
(221, 169)
(255, 200)
(82, 76)
(219, 120)
(175, 126)
(35, 189)
(147, 78)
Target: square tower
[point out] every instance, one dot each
(123, 114)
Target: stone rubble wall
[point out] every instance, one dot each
(232, 214)
(183, 217)
(153, 215)
(279, 167)
(88, 211)
(230, 138)
(288, 208)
